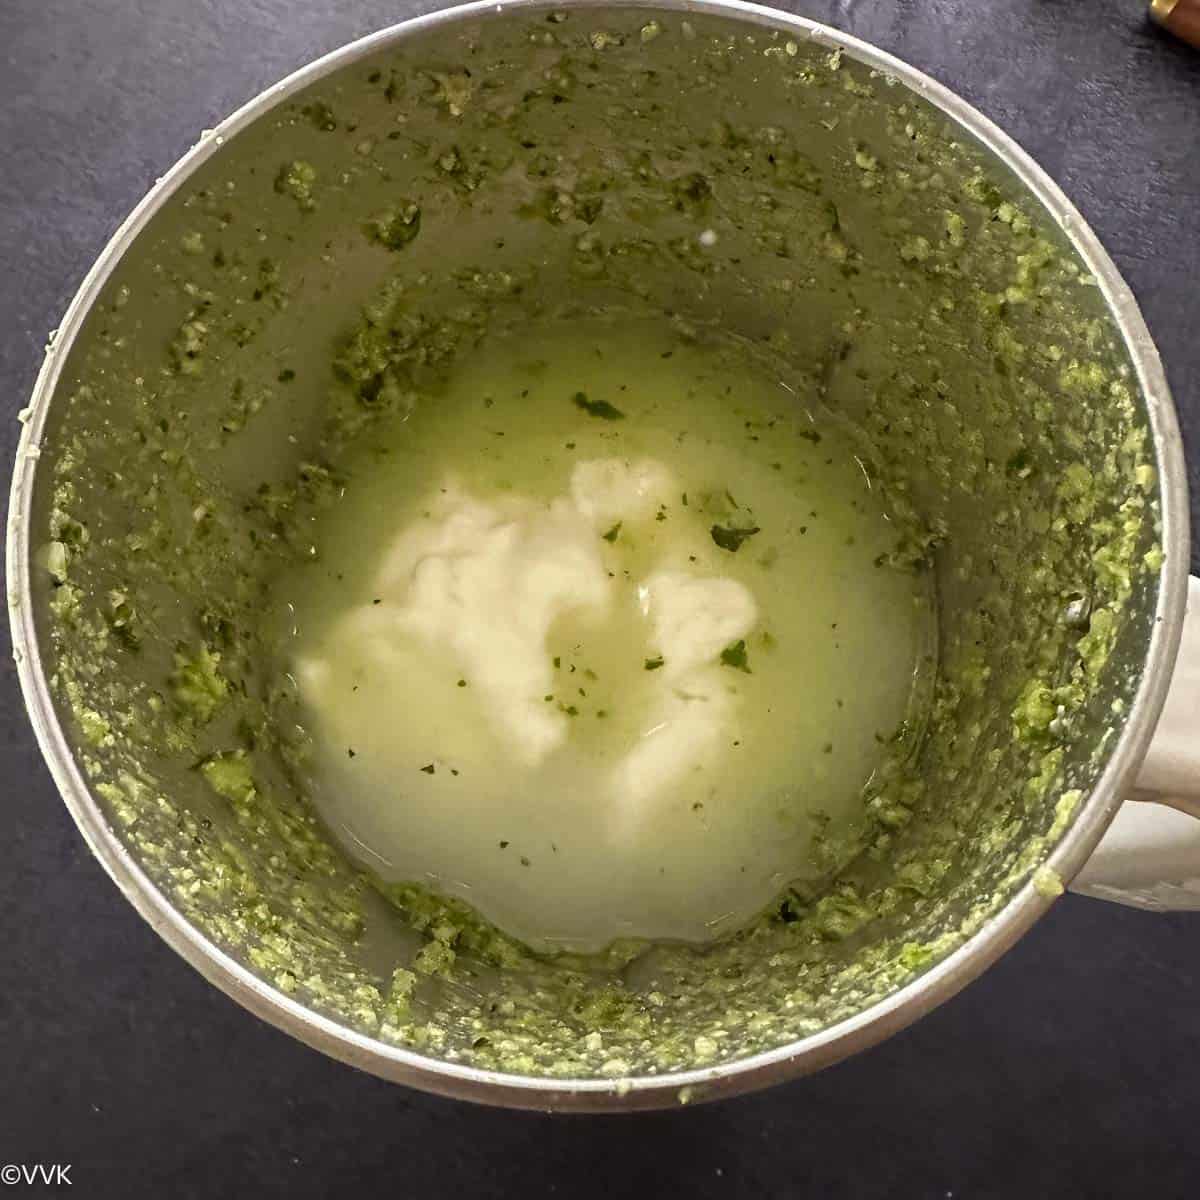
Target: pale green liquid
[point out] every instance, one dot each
(838, 657)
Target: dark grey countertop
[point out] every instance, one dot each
(1069, 1070)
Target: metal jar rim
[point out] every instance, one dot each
(759, 1070)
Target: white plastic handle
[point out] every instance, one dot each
(1150, 856)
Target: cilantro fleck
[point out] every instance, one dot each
(286, 375)
(462, 683)
(429, 769)
(1018, 465)
(350, 751)
(320, 115)
(652, 664)
(611, 535)
(524, 861)
(395, 228)
(732, 539)
(597, 408)
(734, 655)
(503, 845)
